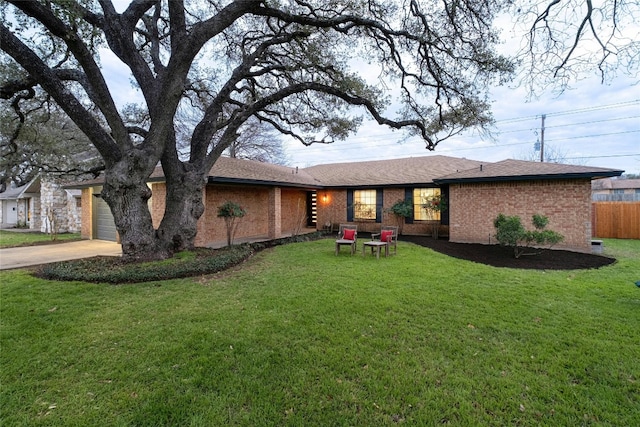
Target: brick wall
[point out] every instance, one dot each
(567, 204)
(255, 200)
(294, 210)
(334, 210)
(332, 207)
(86, 229)
(156, 203)
(258, 201)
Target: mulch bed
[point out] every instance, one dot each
(500, 256)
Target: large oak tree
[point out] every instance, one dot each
(289, 64)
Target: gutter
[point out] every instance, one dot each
(591, 176)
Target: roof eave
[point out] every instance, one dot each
(224, 180)
(580, 175)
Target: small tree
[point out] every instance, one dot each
(511, 232)
(231, 212)
(434, 206)
(400, 210)
(300, 218)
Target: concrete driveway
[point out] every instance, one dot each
(42, 254)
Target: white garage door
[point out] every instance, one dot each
(105, 227)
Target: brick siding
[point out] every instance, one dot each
(567, 204)
(271, 211)
(86, 227)
(333, 210)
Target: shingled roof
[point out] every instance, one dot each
(615, 184)
(411, 171)
(519, 170)
(408, 171)
(227, 169)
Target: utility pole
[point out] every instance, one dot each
(542, 139)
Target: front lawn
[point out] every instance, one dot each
(298, 336)
(10, 239)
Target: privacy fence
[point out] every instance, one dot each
(616, 220)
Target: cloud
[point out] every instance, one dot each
(593, 124)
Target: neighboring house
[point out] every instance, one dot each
(279, 198)
(41, 205)
(16, 207)
(615, 190)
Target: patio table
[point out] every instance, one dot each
(376, 245)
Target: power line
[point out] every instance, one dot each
(370, 146)
(594, 122)
(574, 111)
(361, 142)
(594, 136)
(597, 108)
(602, 157)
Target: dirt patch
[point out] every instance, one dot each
(499, 256)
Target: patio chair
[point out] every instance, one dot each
(387, 234)
(347, 235)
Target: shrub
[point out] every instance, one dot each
(115, 271)
(401, 209)
(200, 261)
(231, 212)
(511, 232)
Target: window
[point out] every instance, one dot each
(421, 197)
(364, 204)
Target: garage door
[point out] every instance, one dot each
(105, 228)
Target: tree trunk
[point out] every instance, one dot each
(128, 196)
(184, 206)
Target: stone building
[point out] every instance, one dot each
(44, 205)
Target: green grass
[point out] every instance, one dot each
(9, 239)
(298, 336)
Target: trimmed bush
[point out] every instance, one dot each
(511, 232)
(200, 261)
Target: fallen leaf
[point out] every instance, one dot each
(51, 310)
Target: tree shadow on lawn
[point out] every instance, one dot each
(501, 256)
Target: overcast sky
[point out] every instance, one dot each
(592, 124)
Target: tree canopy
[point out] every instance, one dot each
(308, 69)
(37, 136)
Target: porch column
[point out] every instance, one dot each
(275, 213)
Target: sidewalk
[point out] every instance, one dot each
(43, 254)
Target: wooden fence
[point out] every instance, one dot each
(616, 220)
